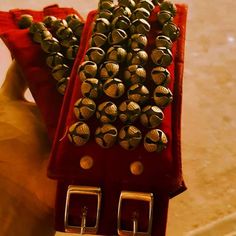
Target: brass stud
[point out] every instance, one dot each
(136, 168)
(86, 162)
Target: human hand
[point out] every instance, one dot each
(27, 195)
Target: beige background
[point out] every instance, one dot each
(208, 120)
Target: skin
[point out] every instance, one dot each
(27, 195)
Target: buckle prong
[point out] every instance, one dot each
(135, 224)
(83, 220)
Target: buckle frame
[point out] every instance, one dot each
(82, 190)
(140, 196)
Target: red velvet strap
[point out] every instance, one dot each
(31, 59)
(110, 171)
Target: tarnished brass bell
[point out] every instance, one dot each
(129, 137)
(71, 17)
(39, 36)
(37, 26)
(163, 41)
(106, 135)
(168, 6)
(88, 69)
(171, 30)
(60, 71)
(84, 108)
(105, 14)
(48, 20)
(160, 76)
(127, 3)
(62, 84)
(91, 88)
(64, 32)
(155, 140)
(161, 56)
(137, 57)
(95, 54)
(25, 21)
(121, 22)
(162, 96)
(121, 11)
(135, 74)
(140, 13)
(113, 88)
(69, 42)
(102, 25)
(157, 2)
(151, 116)
(71, 52)
(55, 59)
(58, 23)
(147, 4)
(98, 40)
(164, 17)
(117, 36)
(50, 45)
(138, 93)
(109, 69)
(139, 26)
(129, 111)
(116, 53)
(79, 133)
(107, 112)
(77, 27)
(106, 5)
(138, 41)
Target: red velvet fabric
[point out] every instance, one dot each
(32, 60)
(162, 171)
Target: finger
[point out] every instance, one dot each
(14, 85)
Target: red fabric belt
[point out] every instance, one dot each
(162, 174)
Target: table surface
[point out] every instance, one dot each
(209, 110)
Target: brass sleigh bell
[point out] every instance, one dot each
(109, 69)
(162, 96)
(164, 17)
(161, 56)
(140, 13)
(138, 93)
(116, 53)
(171, 30)
(62, 85)
(48, 20)
(64, 32)
(117, 36)
(139, 26)
(127, 3)
(88, 69)
(91, 88)
(105, 14)
(98, 40)
(106, 135)
(37, 26)
(71, 17)
(77, 26)
(121, 22)
(71, 52)
(155, 140)
(60, 71)
(79, 133)
(121, 11)
(102, 25)
(107, 112)
(84, 108)
(135, 74)
(163, 41)
(39, 36)
(146, 4)
(160, 76)
(138, 41)
(54, 59)
(137, 57)
(129, 137)
(95, 54)
(151, 116)
(113, 88)
(129, 111)
(25, 21)
(50, 45)
(168, 6)
(58, 23)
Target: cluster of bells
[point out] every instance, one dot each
(113, 72)
(59, 39)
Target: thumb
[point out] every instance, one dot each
(14, 85)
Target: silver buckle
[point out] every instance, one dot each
(82, 190)
(148, 197)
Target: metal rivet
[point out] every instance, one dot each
(86, 162)
(136, 168)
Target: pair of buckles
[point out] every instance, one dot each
(97, 193)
